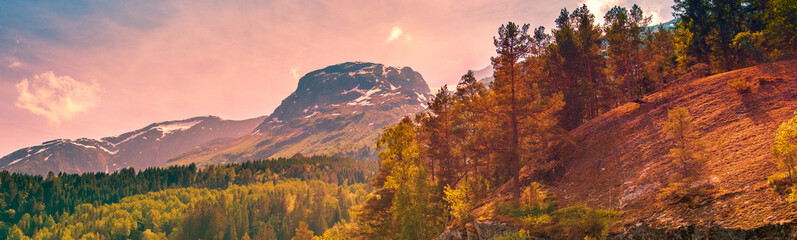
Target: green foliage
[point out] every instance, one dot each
(689, 156)
(781, 29)
(533, 209)
(580, 221)
(784, 153)
(459, 203)
(47, 207)
(406, 205)
(688, 151)
(518, 235)
(258, 210)
(543, 218)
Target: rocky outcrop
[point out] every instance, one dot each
(478, 230)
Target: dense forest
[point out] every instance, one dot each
(436, 166)
(112, 206)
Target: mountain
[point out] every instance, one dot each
(339, 109)
(621, 162)
(666, 25)
(484, 75)
(147, 147)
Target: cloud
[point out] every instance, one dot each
(295, 74)
(13, 62)
(600, 7)
(56, 98)
(396, 33)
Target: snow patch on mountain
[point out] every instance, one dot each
(129, 138)
(178, 126)
(15, 161)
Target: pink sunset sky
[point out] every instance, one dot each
(102, 68)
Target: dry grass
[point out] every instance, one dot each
(740, 85)
(619, 161)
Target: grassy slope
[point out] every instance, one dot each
(619, 159)
(620, 162)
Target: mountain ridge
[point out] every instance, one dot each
(146, 147)
(339, 109)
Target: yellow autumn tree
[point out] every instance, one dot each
(303, 232)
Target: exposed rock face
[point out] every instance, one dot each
(350, 83)
(484, 230)
(340, 110)
(147, 147)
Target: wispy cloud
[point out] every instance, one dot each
(56, 98)
(13, 62)
(396, 33)
(600, 7)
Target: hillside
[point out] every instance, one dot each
(147, 147)
(339, 110)
(618, 160)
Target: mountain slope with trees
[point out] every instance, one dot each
(622, 158)
(337, 110)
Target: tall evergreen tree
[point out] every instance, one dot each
(693, 26)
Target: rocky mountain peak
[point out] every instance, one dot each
(350, 83)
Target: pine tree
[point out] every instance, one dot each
(781, 29)
(624, 35)
(438, 136)
(302, 232)
(693, 26)
(688, 151)
(512, 46)
(521, 112)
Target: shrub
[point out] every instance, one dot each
(680, 191)
(537, 211)
(533, 207)
(534, 194)
(740, 85)
(582, 222)
(519, 235)
(779, 182)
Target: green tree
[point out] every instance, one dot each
(522, 114)
(624, 35)
(693, 27)
(781, 29)
(688, 150)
